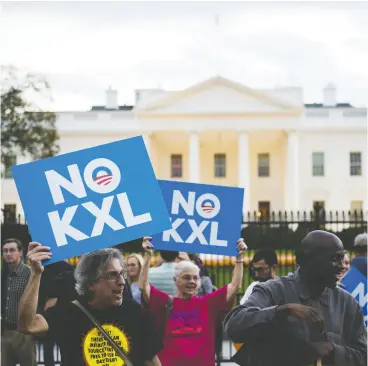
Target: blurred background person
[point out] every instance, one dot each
(16, 347)
(134, 264)
(262, 268)
(346, 263)
(358, 273)
(162, 277)
(206, 282)
(360, 249)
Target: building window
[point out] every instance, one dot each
(10, 161)
(264, 210)
(176, 166)
(318, 164)
(356, 207)
(355, 163)
(220, 165)
(263, 165)
(10, 213)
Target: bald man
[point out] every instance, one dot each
(299, 319)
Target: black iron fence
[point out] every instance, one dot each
(278, 230)
(281, 231)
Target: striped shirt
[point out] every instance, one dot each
(162, 278)
(15, 285)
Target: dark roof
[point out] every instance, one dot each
(320, 105)
(103, 108)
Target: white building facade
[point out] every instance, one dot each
(287, 155)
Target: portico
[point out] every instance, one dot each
(226, 120)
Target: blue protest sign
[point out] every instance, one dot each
(355, 283)
(91, 199)
(205, 218)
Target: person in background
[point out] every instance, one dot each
(134, 265)
(263, 267)
(206, 282)
(304, 317)
(360, 248)
(189, 328)
(162, 277)
(346, 263)
(359, 263)
(16, 348)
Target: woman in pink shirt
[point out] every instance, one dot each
(189, 329)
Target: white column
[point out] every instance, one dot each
(147, 141)
(194, 163)
(292, 172)
(243, 168)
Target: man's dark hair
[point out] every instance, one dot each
(168, 255)
(267, 254)
(16, 241)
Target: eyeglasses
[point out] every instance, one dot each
(260, 269)
(115, 276)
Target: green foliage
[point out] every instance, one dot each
(26, 129)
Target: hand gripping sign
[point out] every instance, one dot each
(91, 199)
(205, 218)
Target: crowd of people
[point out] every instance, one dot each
(115, 311)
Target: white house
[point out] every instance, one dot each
(286, 154)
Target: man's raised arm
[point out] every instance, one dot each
(28, 320)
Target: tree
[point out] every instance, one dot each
(26, 129)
